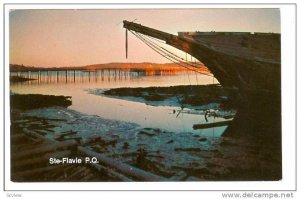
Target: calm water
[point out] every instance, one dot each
(78, 83)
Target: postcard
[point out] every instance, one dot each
(126, 94)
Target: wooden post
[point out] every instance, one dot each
(57, 76)
(48, 78)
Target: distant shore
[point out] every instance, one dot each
(111, 66)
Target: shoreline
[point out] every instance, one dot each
(212, 100)
(154, 150)
(15, 79)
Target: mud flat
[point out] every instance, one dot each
(175, 156)
(192, 95)
(212, 100)
(33, 101)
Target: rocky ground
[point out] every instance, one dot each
(191, 95)
(188, 155)
(213, 99)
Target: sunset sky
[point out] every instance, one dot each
(54, 38)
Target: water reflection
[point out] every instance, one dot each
(79, 76)
(77, 83)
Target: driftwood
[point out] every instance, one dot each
(32, 161)
(121, 167)
(112, 173)
(39, 171)
(43, 159)
(44, 149)
(211, 125)
(179, 176)
(18, 137)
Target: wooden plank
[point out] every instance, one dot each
(178, 176)
(17, 137)
(39, 171)
(87, 177)
(211, 125)
(40, 160)
(66, 171)
(33, 134)
(112, 173)
(27, 146)
(123, 168)
(44, 149)
(76, 173)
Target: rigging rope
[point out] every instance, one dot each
(170, 54)
(196, 65)
(167, 54)
(187, 71)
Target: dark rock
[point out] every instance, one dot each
(150, 132)
(169, 142)
(34, 101)
(125, 145)
(141, 157)
(202, 139)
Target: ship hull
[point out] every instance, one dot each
(246, 62)
(236, 72)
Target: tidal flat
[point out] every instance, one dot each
(164, 153)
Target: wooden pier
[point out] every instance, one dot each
(75, 76)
